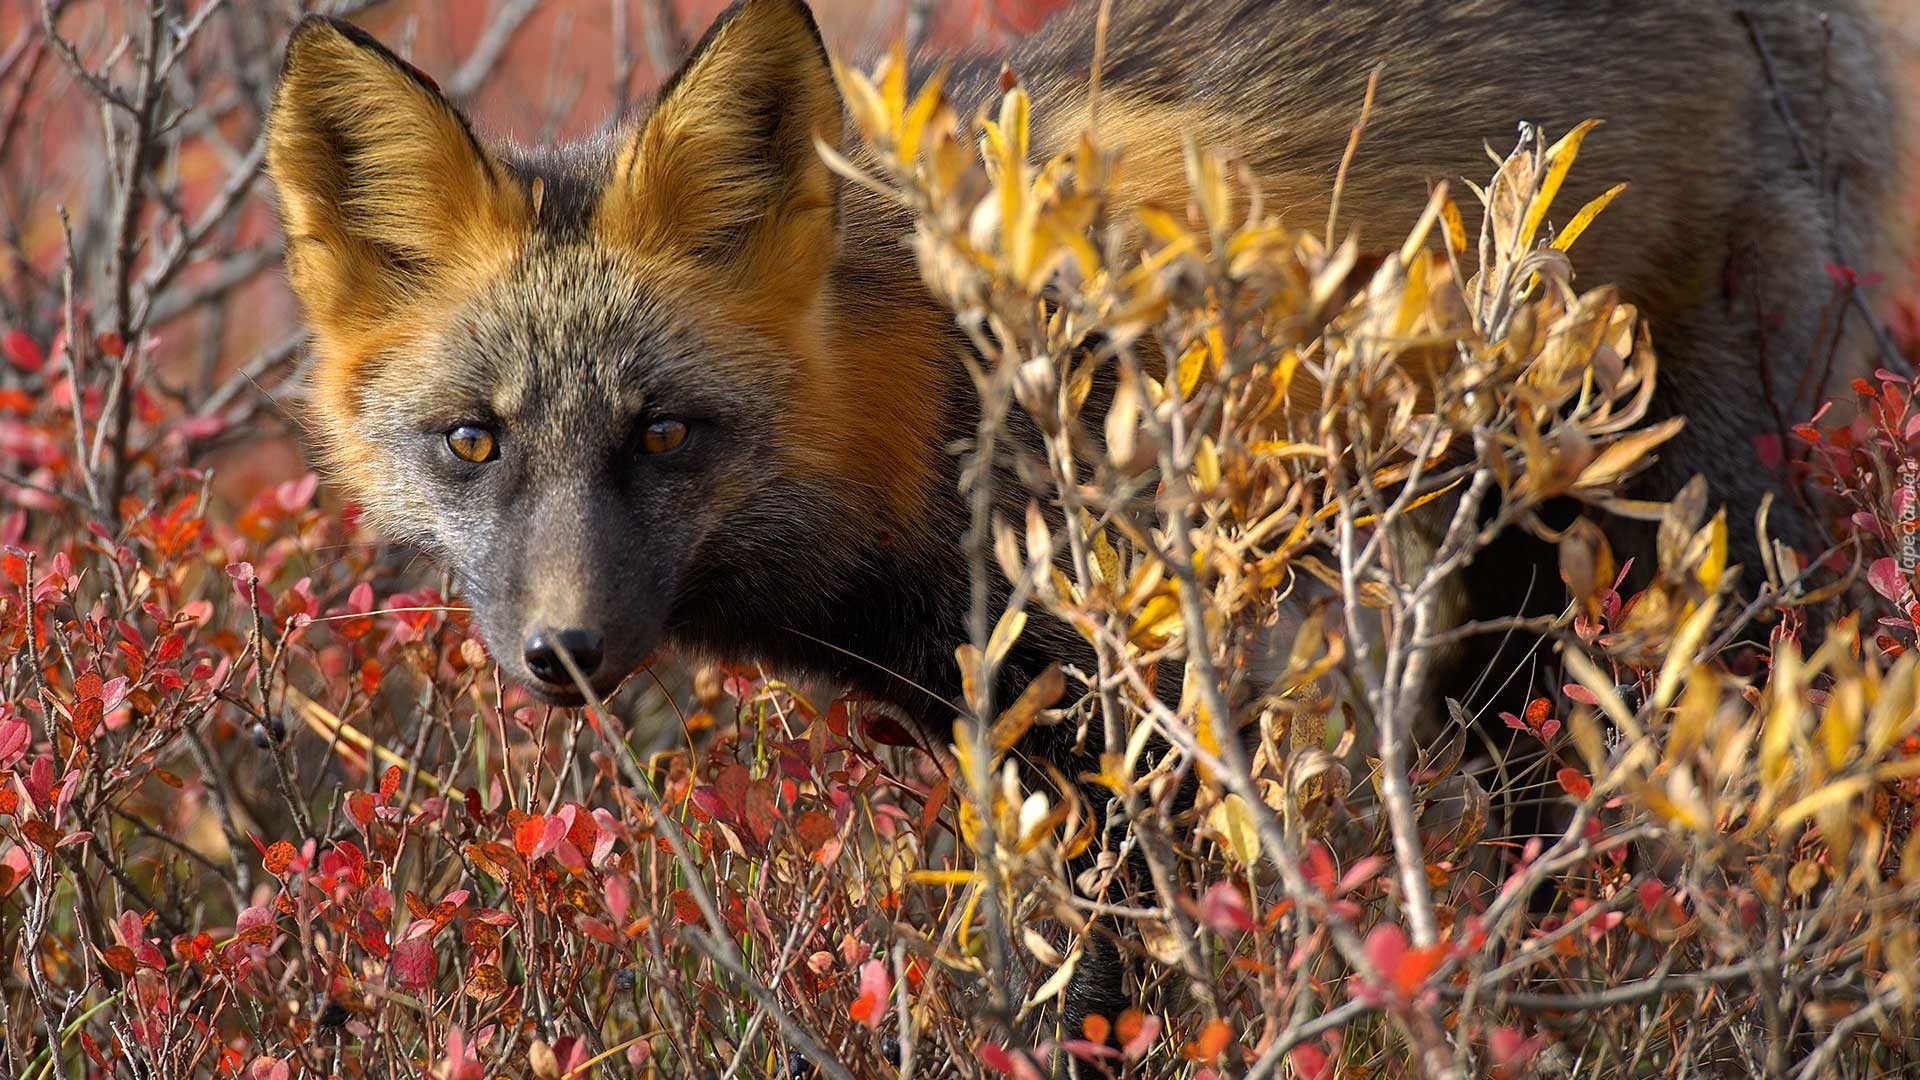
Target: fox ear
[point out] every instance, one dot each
(725, 168)
(385, 194)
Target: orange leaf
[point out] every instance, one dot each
(1096, 1028)
(1575, 782)
(484, 983)
(527, 836)
(1212, 1041)
(1417, 966)
(280, 856)
(685, 906)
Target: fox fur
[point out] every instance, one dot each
(703, 266)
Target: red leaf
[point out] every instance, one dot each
(871, 1006)
(43, 835)
(731, 785)
(551, 836)
(619, 897)
(582, 831)
(1575, 782)
(15, 738)
(23, 351)
(1310, 1062)
(1319, 868)
(119, 958)
(360, 807)
(413, 963)
(255, 925)
(1887, 579)
(685, 907)
(1386, 948)
(995, 1057)
(1224, 910)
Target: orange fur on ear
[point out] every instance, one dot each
(386, 196)
(725, 168)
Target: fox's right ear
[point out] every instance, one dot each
(385, 194)
(725, 169)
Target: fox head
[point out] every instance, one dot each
(630, 392)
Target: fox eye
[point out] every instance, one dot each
(663, 436)
(470, 442)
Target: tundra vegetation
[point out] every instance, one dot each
(267, 809)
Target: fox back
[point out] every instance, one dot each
(680, 386)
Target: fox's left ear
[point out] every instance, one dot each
(725, 169)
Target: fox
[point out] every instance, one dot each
(679, 385)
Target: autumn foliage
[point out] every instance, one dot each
(267, 809)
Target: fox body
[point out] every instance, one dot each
(681, 386)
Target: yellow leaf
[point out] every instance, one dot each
(1714, 566)
(1270, 448)
(863, 100)
(893, 80)
(1106, 561)
(1559, 160)
(969, 660)
(1159, 620)
(1456, 227)
(1192, 363)
(1058, 981)
(1840, 727)
(914, 125)
(944, 877)
(1585, 218)
(1005, 633)
(1680, 652)
(967, 910)
(1136, 745)
(1834, 794)
(1234, 821)
(1206, 463)
(1163, 226)
(1627, 454)
(1894, 711)
(1782, 727)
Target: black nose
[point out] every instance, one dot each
(545, 647)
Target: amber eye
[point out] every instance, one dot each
(472, 443)
(663, 436)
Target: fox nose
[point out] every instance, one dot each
(545, 647)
